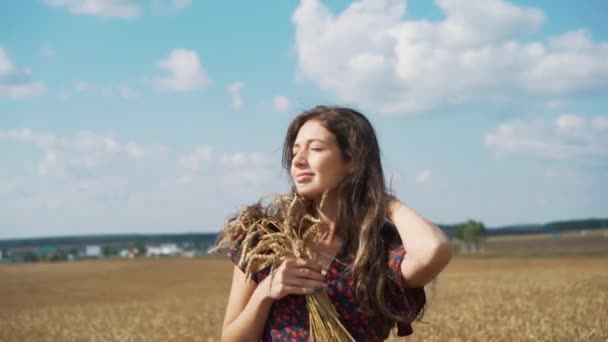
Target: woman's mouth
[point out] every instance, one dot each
(303, 177)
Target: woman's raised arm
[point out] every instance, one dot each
(427, 247)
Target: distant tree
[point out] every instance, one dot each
(109, 250)
(30, 257)
(58, 256)
(472, 234)
(141, 247)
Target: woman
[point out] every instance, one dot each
(332, 154)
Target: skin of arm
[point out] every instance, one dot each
(427, 247)
(249, 303)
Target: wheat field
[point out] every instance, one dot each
(180, 299)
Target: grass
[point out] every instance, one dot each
(476, 299)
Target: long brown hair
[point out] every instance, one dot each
(362, 202)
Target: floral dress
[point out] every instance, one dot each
(288, 317)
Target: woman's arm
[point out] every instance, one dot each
(247, 310)
(249, 303)
(427, 247)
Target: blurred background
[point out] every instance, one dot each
(130, 130)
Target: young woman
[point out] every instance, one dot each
(365, 234)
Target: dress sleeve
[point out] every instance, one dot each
(234, 254)
(409, 301)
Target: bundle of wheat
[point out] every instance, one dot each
(287, 232)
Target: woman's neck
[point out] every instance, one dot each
(328, 215)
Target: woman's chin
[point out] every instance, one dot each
(305, 192)
(310, 194)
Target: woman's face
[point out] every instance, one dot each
(317, 161)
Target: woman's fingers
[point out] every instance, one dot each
(302, 282)
(299, 277)
(304, 269)
(308, 264)
(298, 290)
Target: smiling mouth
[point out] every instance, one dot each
(303, 177)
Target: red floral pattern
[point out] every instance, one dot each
(288, 317)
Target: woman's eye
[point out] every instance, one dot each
(316, 149)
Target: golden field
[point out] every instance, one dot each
(180, 299)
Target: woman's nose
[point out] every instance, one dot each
(300, 159)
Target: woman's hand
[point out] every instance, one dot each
(296, 276)
(428, 247)
(392, 203)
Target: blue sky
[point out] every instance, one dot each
(167, 116)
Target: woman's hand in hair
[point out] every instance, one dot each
(392, 204)
(296, 276)
(428, 247)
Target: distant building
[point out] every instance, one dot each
(163, 249)
(93, 251)
(127, 253)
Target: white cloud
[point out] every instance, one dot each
(600, 123)
(122, 9)
(168, 7)
(181, 4)
(16, 84)
(242, 159)
(85, 149)
(370, 55)
(126, 92)
(52, 165)
(48, 51)
(235, 93)
(570, 124)
(105, 90)
(423, 177)
(185, 69)
(232, 169)
(251, 177)
(138, 151)
(568, 137)
(7, 67)
(197, 159)
(280, 103)
(245, 168)
(26, 135)
(89, 182)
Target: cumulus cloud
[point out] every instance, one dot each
(48, 50)
(423, 177)
(17, 84)
(90, 182)
(119, 9)
(197, 159)
(235, 94)
(251, 177)
(105, 90)
(232, 169)
(181, 4)
(122, 9)
(567, 137)
(83, 150)
(280, 103)
(185, 72)
(242, 159)
(371, 55)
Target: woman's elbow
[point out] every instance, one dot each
(419, 271)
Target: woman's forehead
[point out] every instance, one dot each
(313, 130)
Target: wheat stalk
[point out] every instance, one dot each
(277, 238)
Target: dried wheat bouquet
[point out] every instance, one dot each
(281, 231)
